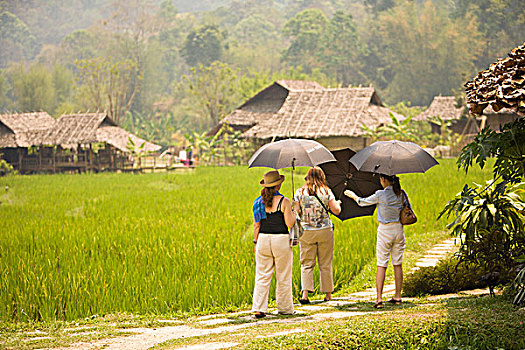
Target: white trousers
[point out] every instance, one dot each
(273, 252)
(390, 242)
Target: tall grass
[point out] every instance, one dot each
(77, 245)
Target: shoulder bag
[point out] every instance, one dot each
(407, 215)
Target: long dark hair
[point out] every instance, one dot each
(267, 194)
(394, 180)
(315, 180)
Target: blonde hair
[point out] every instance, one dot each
(315, 180)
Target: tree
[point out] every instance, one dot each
(489, 220)
(203, 46)
(213, 91)
(107, 85)
(33, 88)
(304, 31)
(427, 52)
(341, 48)
(16, 40)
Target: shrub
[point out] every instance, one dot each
(448, 276)
(5, 167)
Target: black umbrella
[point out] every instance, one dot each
(393, 157)
(343, 175)
(289, 154)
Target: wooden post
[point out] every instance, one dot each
(39, 158)
(20, 156)
(54, 159)
(90, 158)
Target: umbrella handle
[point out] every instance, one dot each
(293, 168)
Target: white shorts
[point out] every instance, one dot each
(390, 242)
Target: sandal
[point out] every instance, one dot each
(395, 301)
(378, 305)
(304, 301)
(259, 314)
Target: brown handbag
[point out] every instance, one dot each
(407, 215)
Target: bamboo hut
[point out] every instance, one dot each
(35, 142)
(303, 109)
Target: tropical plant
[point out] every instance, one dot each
(402, 130)
(490, 220)
(519, 285)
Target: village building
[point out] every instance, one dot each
(304, 109)
(36, 142)
(448, 109)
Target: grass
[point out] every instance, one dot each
(73, 246)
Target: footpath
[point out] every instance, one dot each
(217, 331)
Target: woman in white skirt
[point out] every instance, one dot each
(390, 233)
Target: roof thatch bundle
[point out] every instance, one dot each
(502, 85)
(23, 129)
(76, 129)
(444, 107)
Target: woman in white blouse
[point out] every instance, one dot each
(390, 233)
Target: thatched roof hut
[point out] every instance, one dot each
(307, 110)
(87, 128)
(23, 129)
(502, 85)
(445, 107)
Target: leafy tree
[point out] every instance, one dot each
(79, 45)
(341, 48)
(427, 52)
(305, 31)
(33, 88)
(106, 85)
(203, 46)
(62, 79)
(16, 40)
(490, 220)
(213, 91)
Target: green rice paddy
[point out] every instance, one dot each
(72, 246)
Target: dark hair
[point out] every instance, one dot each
(395, 182)
(315, 180)
(267, 194)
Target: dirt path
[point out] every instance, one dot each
(144, 338)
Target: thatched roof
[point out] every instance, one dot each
(23, 129)
(444, 107)
(313, 113)
(75, 129)
(502, 85)
(119, 138)
(40, 129)
(299, 85)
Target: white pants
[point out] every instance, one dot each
(390, 242)
(273, 252)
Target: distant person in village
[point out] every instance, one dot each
(273, 216)
(313, 202)
(183, 157)
(390, 233)
(190, 157)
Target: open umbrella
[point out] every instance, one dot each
(342, 175)
(290, 153)
(393, 157)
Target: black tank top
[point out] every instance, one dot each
(274, 222)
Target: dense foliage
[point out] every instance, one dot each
(409, 50)
(489, 219)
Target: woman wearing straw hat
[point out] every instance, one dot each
(314, 201)
(273, 250)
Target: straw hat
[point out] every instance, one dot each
(272, 178)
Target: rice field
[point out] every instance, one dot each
(72, 246)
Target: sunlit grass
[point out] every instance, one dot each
(72, 246)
